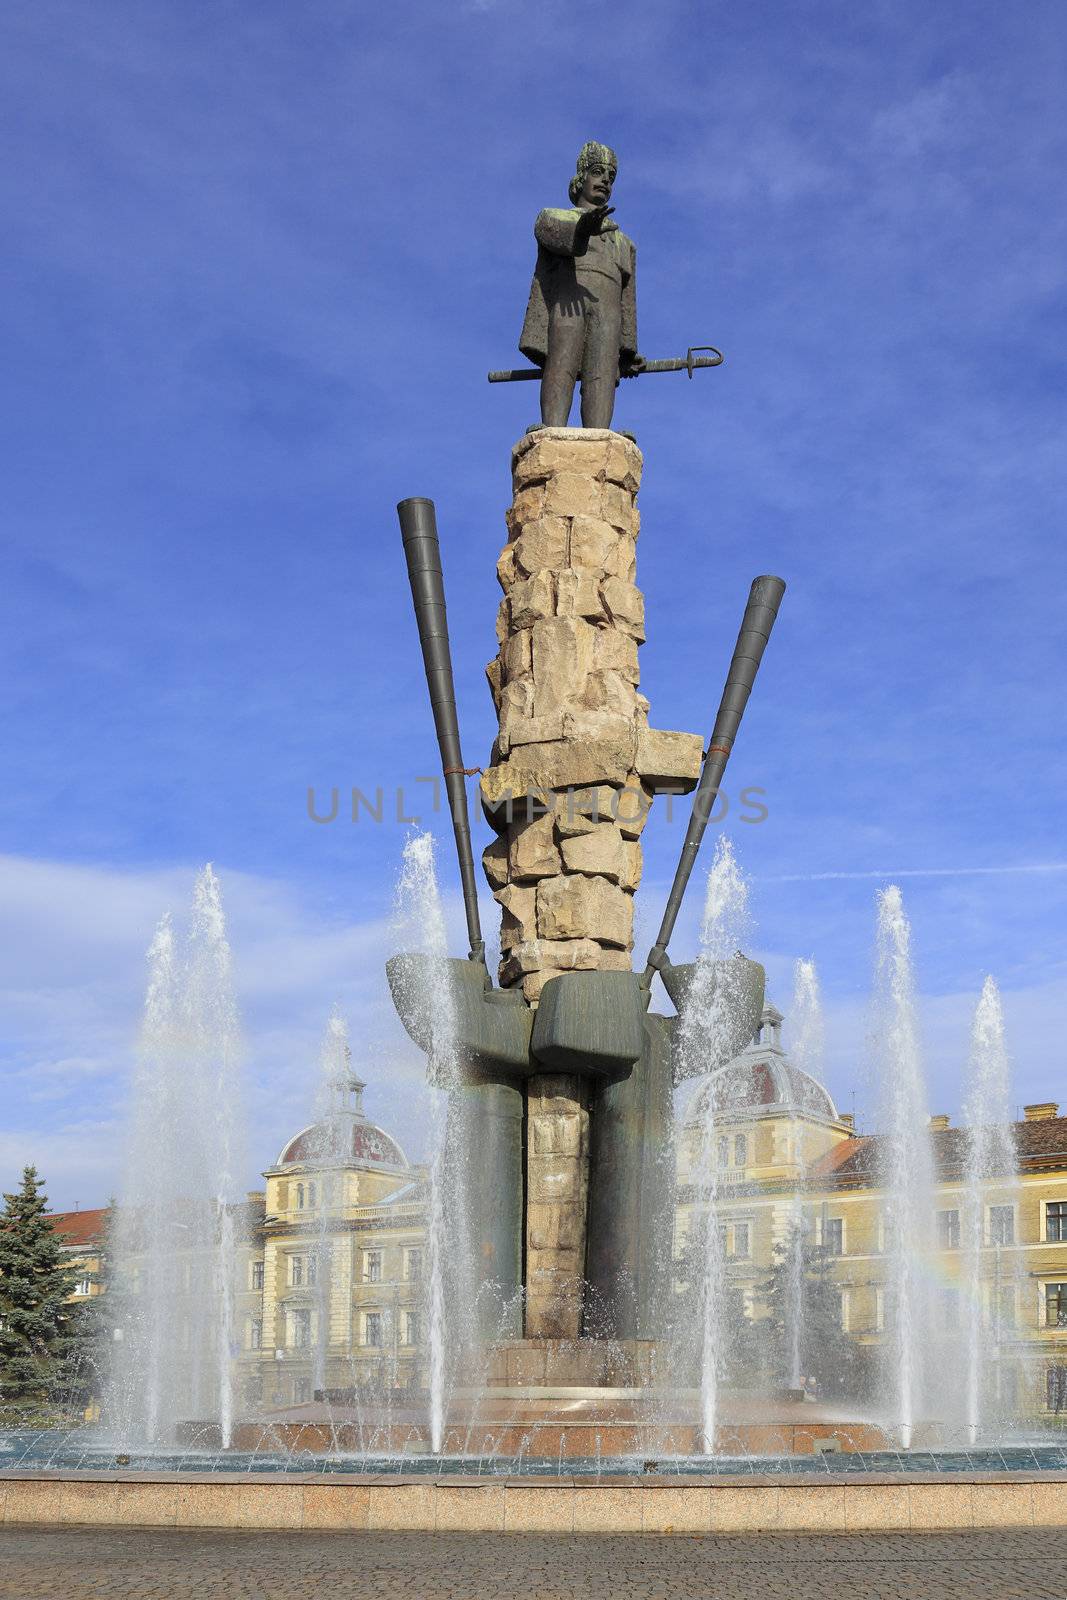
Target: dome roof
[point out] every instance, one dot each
(344, 1136)
(762, 1081)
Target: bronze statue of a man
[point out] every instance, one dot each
(581, 320)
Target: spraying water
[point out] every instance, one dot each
(422, 929)
(907, 1172)
(706, 1023)
(807, 1053)
(331, 1151)
(991, 1177)
(176, 1243)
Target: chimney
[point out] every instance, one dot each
(938, 1123)
(1041, 1113)
(847, 1119)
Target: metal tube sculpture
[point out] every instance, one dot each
(764, 599)
(422, 548)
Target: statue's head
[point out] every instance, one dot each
(597, 167)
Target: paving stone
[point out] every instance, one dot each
(108, 1563)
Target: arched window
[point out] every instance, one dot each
(300, 1196)
(740, 1150)
(723, 1151)
(311, 1196)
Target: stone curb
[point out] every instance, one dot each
(824, 1503)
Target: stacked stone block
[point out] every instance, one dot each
(574, 758)
(577, 764)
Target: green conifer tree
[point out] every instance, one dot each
(35, 1318)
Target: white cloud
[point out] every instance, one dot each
(71, 995)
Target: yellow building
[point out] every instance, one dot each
(783, 1154)
(333, 1276)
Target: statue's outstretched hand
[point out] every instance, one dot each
(631, 366)
(589, 221)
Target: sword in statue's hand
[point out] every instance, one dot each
(693, 359)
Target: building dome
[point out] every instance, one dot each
(344, 1136)
(762, 1081)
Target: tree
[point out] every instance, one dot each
(83, 1370)
(805, 1290)
(36, 1323)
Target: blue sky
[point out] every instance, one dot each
(258, 259)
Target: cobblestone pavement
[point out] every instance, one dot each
(171, 1564)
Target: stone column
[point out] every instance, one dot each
(576, 763)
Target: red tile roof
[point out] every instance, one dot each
(854, 1162)
(79, 1228)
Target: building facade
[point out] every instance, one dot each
(784, 1157)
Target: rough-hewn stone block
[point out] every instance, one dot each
(519, 920)
(602, 851)
(495, 862)
(577, 907)
(562, 955)
(576, 494)
(616, 506)
(612, 691)
(532, 851)
(526, 506)
(626, 606)
(562, 654)
(616, 652)
(544, 543)
(578, 595)
(669, 758)
(533, 599)
(569, 762)
(494, 679)
(516, 657)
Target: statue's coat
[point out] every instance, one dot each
(556, 276)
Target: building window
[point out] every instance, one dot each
(411, 1327)
(414, 1265)
(1056, 1388)
(948, 1230)
(302, 1391)
(1002, 1224)
(742, 1241)
(312, 1199)
(833, 1236)
(372, 1326)
(296, 1272)
(300, 1196)
(313, 1271)
(740, 1150)
(372, 1266)
(843, 1310)
(257, 1274)
(723, 1151)
(255, 1334)
(82, 1286)
(1056, 1305)
(1056, 1222)
(300, 1325)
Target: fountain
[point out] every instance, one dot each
(991, 1177)
(907, 1163)
(174, 1342)
(708, 1017)
(807, 1052)
(596, 1294)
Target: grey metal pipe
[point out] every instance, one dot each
(764, 599)
(418, 528)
